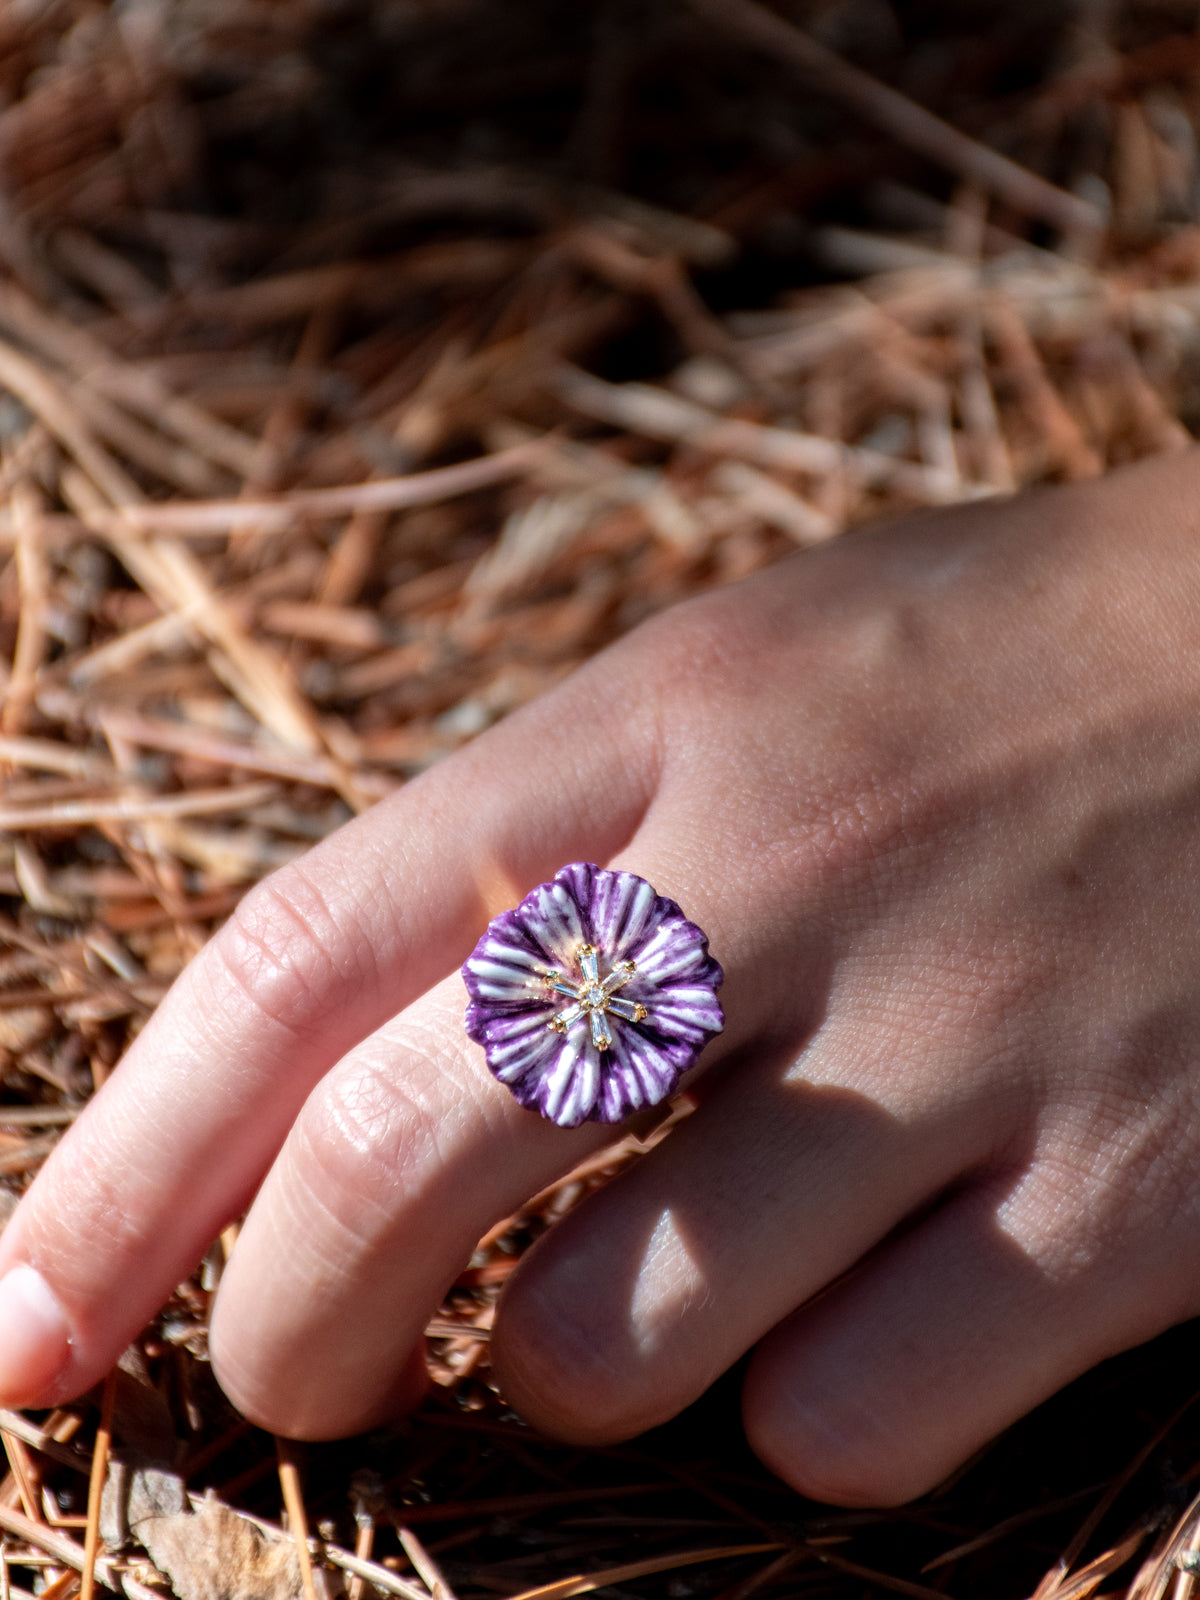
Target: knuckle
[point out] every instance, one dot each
(284, 949)
(358, 1142)
(388, 1127)
(703, 641)
(831, 797)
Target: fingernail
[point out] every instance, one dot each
(34, 1338)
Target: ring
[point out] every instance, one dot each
(592, 997)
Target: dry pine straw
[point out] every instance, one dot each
(276, 537)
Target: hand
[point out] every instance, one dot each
(934, 793)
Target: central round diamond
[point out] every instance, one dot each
(594, 996)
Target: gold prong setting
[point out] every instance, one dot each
(594, 998)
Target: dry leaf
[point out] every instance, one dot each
(211, 1553)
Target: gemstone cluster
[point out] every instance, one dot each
(594, 998)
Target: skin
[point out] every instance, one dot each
(934, 793)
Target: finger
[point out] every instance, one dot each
(396, 1166)
(876, 1392)
(315, 959)
(630, 1308)
(404, 1155)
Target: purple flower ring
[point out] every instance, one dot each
(593, 997)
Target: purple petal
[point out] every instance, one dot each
(642, 1073)
(554, 919)
(622, 907)
(520, 1044)
(688, 1013)
(675, 950)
